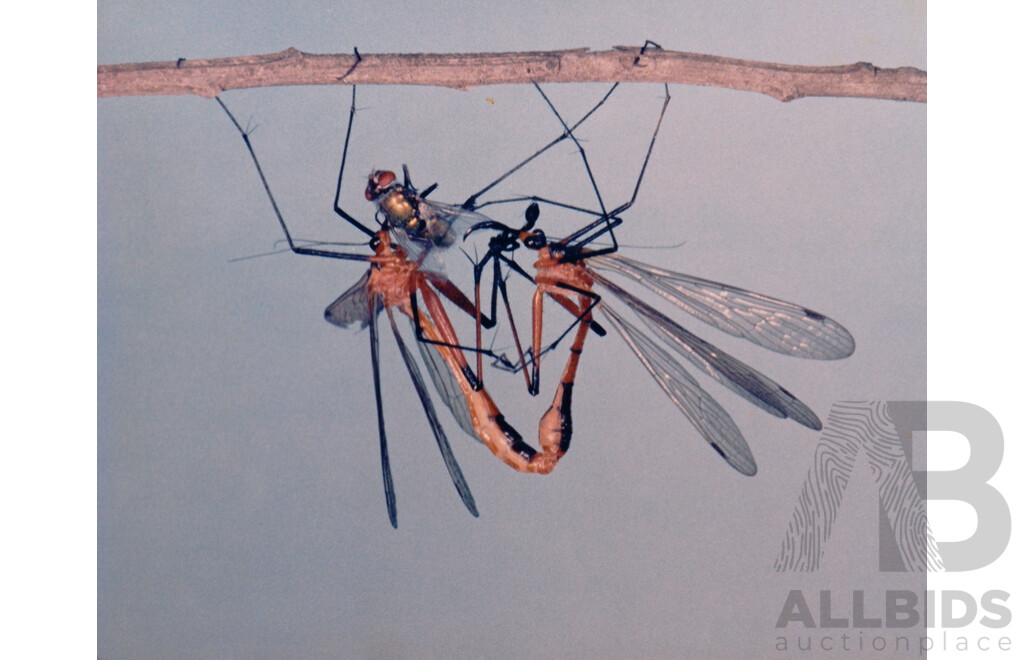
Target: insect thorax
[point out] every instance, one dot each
(415, 218)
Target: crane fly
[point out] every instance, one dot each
(567, 271)
(394, 281)
(556, 275)
(405, 265)
(421, 226)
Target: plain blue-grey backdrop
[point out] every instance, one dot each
(240, 504)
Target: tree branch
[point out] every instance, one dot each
(462, 71)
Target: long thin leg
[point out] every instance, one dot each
(512, 325)
(385, 464)
(606, 220)
(583, 237)
(277, 211)
(574, 245)
(579, 148)
(580, 311)
(495, 250)
(538, 330)
(567, 133)
(573, 248)
(448, 338)
(647, 157)
(495, 257)
(470, 202)
(341, 171)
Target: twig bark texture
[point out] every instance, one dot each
(462, 71)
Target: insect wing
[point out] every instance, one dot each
(447, 387)
(428, 407)
(446, 223)
(707, 415)
(768, 322)
(749, 383)
(385, 464)
(353, 306)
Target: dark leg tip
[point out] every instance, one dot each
(474, 382)
(534, 388)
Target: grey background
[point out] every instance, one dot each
(240, 503)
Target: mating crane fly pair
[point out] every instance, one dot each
(406, 267)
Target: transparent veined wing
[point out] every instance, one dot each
(768, 322)
(372, 308)
(746, 381)
(447, 387)
(435, 426)
(448, 224)
(711, 420)
(353, 306)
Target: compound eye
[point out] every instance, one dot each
(378, 183)
(535, 240)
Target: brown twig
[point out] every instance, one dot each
(462, 71)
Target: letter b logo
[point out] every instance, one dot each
(881, 430)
